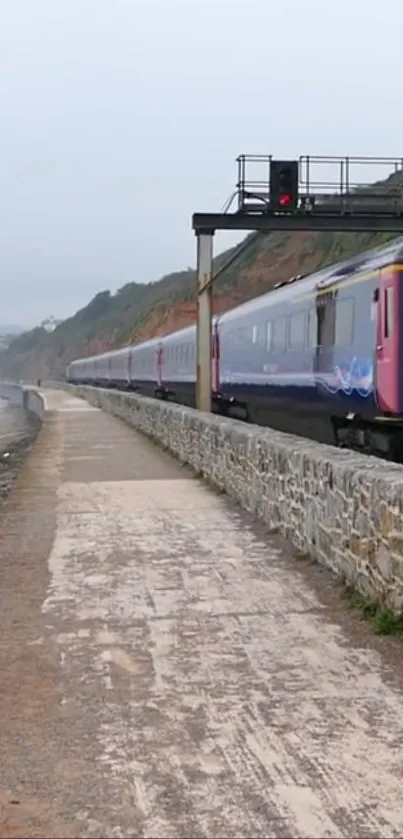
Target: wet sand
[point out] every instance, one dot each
(17, 432)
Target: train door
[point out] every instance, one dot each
(387, 342)
(326, 330)
(159, 360)
(215, 359)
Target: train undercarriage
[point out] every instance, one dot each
(381, 438)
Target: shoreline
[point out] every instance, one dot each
(18, 431)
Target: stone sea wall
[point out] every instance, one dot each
(343, 509)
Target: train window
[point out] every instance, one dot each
(388, 326)
(261, 334)
(312, 328)
(279, 334)
(268, 335)
(296, 335)
(344, 322)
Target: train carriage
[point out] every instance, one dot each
(119, 375)
(319, 356)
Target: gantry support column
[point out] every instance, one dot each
(204, 293)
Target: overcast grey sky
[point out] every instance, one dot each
(119, 118)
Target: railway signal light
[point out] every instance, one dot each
(284, 185)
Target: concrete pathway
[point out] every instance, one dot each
(168, 670)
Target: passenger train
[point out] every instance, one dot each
(321, 357)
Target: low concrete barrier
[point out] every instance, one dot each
(24, 397)
(343, 509)
(34, 403)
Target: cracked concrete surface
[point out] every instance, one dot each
(168, 669)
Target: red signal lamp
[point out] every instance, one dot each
(284, 175)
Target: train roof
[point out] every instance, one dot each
(370, 260)
(178, 335)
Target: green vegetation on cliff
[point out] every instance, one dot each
(138, 311)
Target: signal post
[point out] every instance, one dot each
(203, 336)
